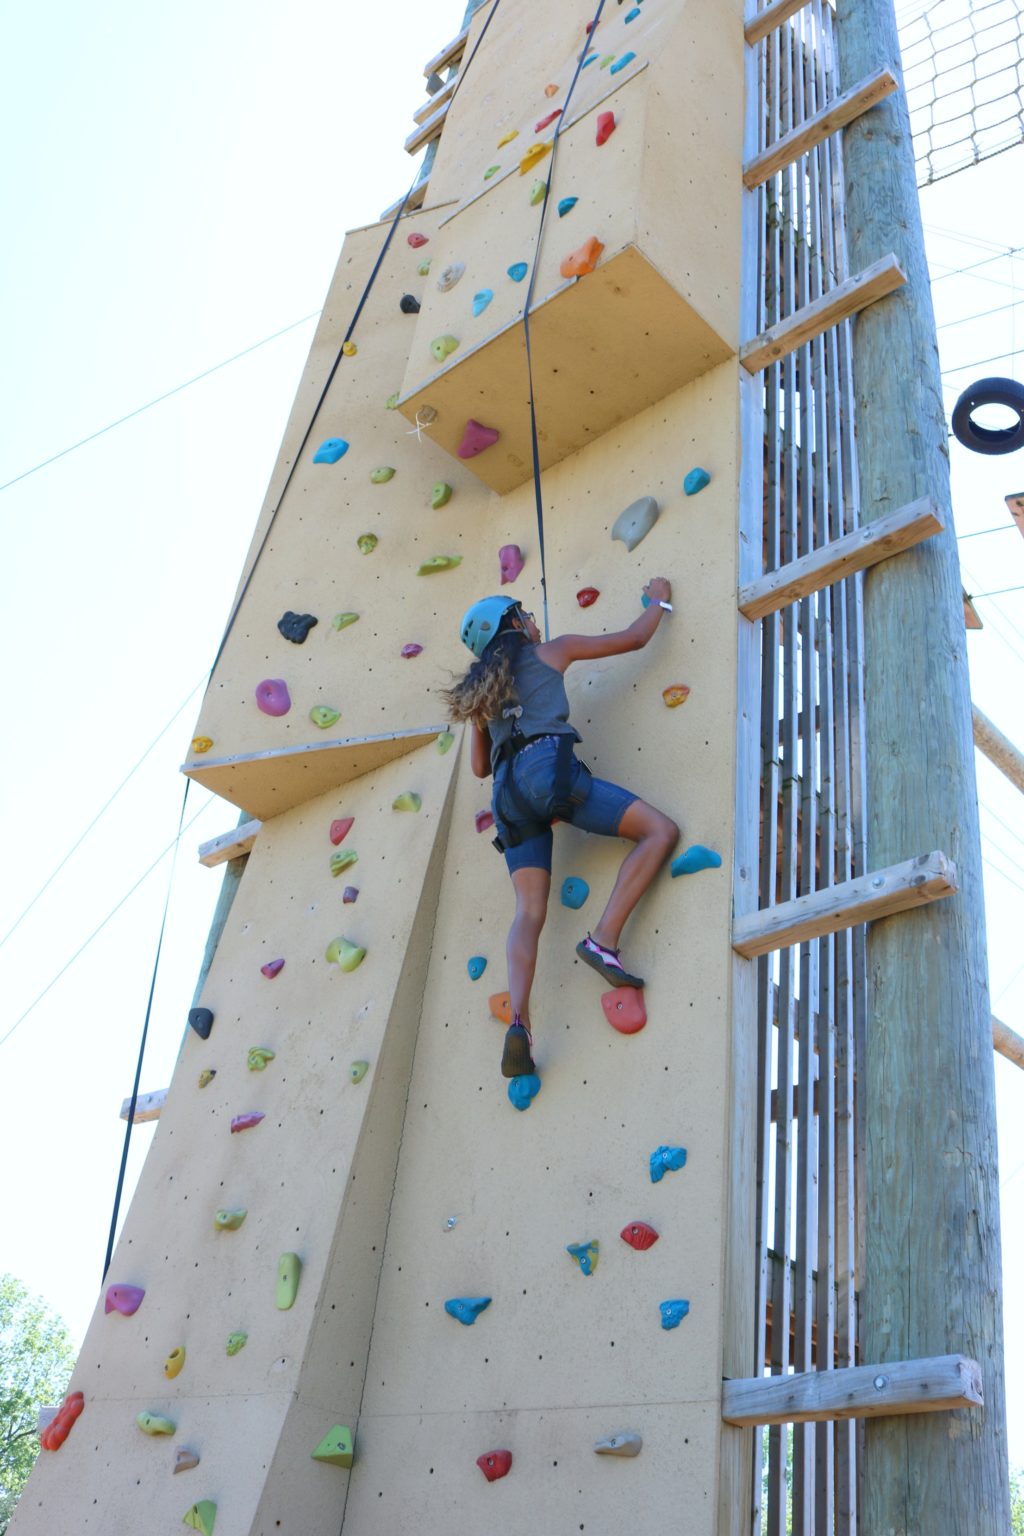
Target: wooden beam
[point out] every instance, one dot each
(866, 546)
(412, 202)
(846, 299)
(771, 17)
(448, 55)
(147, 1106)
(997, 748)
(430, 129)
(1015, 507)
(855, 1392)
(431, 105)
(972, 619)
(858, 99)
(229, 845)
(908, 885)
(1007, 1042)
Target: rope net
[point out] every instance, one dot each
(963, 64)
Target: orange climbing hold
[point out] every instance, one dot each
(676, 695)
(533, 156)
(624, 1009)
(500, 1004)
(552, 90)
(583, 260)
(59, 1427)
(605, 126)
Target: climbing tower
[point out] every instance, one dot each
(361, 1287)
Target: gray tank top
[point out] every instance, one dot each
(543, 706)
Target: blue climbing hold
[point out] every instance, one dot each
(574, 892)
(482, 299)
(476, 965)
(627, 58)
(588, 60)
(673, 1312)
(633, 14)
(566, 205)
(695, 481)
(585, 1254)
(466, 1309)
(330, 451)
(517, 271)
(666, 1160)
(694, 859)
(523, 1090)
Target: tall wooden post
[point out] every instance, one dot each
(932, 1281)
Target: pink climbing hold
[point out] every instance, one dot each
(272, 696)
(483, 820)
(624, 1009)
(476, 438)
(510, 559)
(341, 829)
(272, 968)
(412, 649)
(246, 1122)
(605, 126)
(126, 1299)
(546, 122)
(416, 241)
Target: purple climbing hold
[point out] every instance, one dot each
(412, 649)
(476, 438)
(247, 1121)
(510, 559)
(126, 1299)
(272, 696)
(272, 968)
(350, 894)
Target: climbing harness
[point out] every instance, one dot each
(518, 818)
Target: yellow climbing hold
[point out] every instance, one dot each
(202, 743)
(349, 348)
(533, 156)
(513, 133)
(408, 800)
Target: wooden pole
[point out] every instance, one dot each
(932, 1280)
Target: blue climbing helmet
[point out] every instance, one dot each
(480, 624)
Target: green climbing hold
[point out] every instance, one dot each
(695, 481)
(445, 742)
(342, 859)
(367, 543)
(343, 620)
(201, 1517)
(440, 495)
(258, 1057)
(408, 800)
(236, 1341)
(442, 347)
(358, 1070)
(424, 267)
(323, 716)
(609, 58)
(492, 170)
(439, 563)
(391, 403)
(155, 1424)
(344, 955)
(336, 1447)
(382, 475)
(537, 192)
(230, 1221)
(289, 1268)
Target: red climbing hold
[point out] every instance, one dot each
(416, 241)
(341, 829)
(494, 1464)
(500, 1004)
(639, 1235)
(483, 820)
(605, 126)
(59, 1427)
(546, 122)
(246, 1122)
(476, 438)
(624, 1009)
(584, 260)
(587, 595)
(272, 968)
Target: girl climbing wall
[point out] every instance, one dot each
(514, 697)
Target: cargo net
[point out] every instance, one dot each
(963, 66)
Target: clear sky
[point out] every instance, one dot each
(176, 185)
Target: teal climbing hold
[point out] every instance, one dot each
(627, 58)
(330, 451)
(695, 859)
(633, 14)
(695, 481)
(588, 60)
(566, 205)
(585, 1254)
(574, 892)
(523, 1090)
(666, 1160)
(673, 1312)
(466, 1309)
(517, 271)
(476, 965)
(482, 299)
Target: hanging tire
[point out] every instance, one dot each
(990, 439)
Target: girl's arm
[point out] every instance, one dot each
(561, 652)
(480, 751)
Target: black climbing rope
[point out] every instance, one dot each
(142, 1043)
(534, 443)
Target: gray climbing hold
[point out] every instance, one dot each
(626, 1444)
(451, 275)
(408, 304)
(636, 522)
(296, 626)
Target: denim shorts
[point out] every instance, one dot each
(533, 772)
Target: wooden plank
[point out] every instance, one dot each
(856, 1392)
(1015, 507)
(858, 99)
(430, 129)
(447, 56)
(147, 1106)
(998, 748)
(881, 893)
(432, 103)
(882, 277)
(972, 618)
(834, 561)
(412, 202)
(1007, 1042)
(771, 17)
(229, 845)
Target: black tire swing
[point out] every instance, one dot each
(989, 439)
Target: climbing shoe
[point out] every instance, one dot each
(517, 1057)
(606, 963)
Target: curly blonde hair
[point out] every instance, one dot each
(489, 685)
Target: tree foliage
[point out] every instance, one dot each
(36, 1358)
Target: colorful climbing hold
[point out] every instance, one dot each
(126, 1299)
(466, 1309)
(408, 800)
(155, 1424)
(546, 122)
(695, 859)
(492, 170)
(358, 1070)
(476, 438)
(523, 1090)
(382, 475)
(627, 58)
(247, 1121)
(507, 138)
(202, 743)
(574, 892)
(624, 1009)
(673, 1312)
(537, 193)
(350, 894)
(408, 304)
(336, 1447)
(272, 696)
(510, 562)
(632, 15)
(201, 1020)
(349, 348)
(695, 481)
(330, 451)
(423, 270)
(236, 1341)
(367, 543)
(207, 1076)
(586, 596)
(583, 260)
(588, 60)
(343, 620)
(533, 156)
(442, 347)
(289, 1270)
(341, 828)
(440, 495)
(184, 1459)
(410, 650)
(391, 403)
(450, 275)
(552, 90)
(271, 969)
(482, 299)
(639, 1235)
(606, 61)
(636, 522)
(518, 270)
(324, 716)
(500, 1004)
(416, 240)
(258, 1057)
(666, 1160)
(174, 1362)
(60, 1426)
(341, 861)
(676, 694)
(605, 126)
(476, 965)
(566, 205)
(438, 563)
(201, 1517)
(445, 742)
(228, 1220)
(483, 820)
(626, 1444)
(344, 955)
(494, 1464)
(585, 1254)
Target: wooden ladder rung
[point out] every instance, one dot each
(846, 299)
(449, 53)
(862, 900)
(431, 105)
(866, 546)
(229, 845)
(431, 129)
(147, 1106)
(413, 202)
(853, 103)
(855, 1392)
(771, 17)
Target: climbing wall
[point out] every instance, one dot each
(339, 1178)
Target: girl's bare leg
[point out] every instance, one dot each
(531, 888)
(655, 836)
